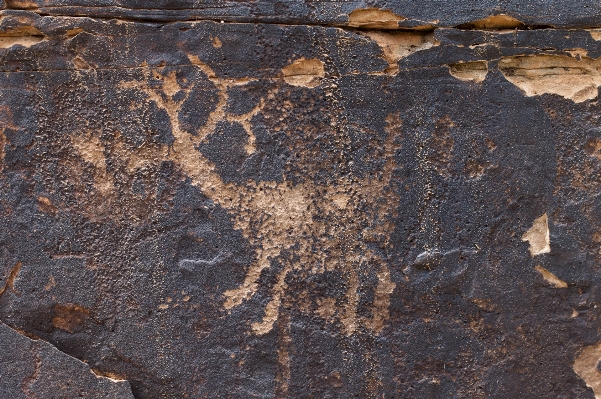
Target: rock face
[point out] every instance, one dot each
(300, 199)
(35, 369)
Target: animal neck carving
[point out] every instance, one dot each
(307, 228)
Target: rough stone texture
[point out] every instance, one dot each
(447, 13)
(321, 200)
(35, 369)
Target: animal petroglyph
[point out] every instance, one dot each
(306, 227)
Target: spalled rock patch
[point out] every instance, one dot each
(586, 366)
(474, 71)
(551, 278)
(304, 73)
(538, 236)
(25, 36)
(374, 18)
(398, 45)
(571, 78)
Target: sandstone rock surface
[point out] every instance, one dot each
(298, 199)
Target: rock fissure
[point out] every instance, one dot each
(358, 20)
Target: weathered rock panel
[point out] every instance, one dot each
(254, 209)
(34, 369)
(386, 14)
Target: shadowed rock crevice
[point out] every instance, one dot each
(37, 369)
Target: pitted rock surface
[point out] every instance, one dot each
(300, 199)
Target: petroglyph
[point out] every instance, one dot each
(279, 219)
(299, 207)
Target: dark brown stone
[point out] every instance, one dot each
(310, 199)
(35, 369)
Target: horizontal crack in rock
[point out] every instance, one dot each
(372, 19)
(494, 22)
